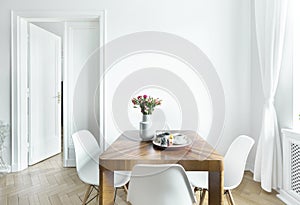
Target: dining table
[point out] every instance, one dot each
(129, 149)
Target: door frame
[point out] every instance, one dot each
(19, 74)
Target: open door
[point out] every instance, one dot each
(44, 90)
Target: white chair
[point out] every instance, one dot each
(163, 184)
(234, 166)
(87, 153)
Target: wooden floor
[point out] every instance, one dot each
(48, 183)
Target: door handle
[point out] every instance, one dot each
(58, 97)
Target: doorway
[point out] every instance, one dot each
(21, 105)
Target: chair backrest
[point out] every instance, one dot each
(86, 148)
(235, 161)
(162, 184)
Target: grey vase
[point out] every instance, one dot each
(146, 133)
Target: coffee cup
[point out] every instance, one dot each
(179, 139)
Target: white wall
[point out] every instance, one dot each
(257, 98)
(221, 29)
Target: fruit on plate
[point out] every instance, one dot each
(171, 138)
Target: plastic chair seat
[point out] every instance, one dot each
(87, 152)
(234, 165)
(162, 184)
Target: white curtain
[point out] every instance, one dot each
(270, 22)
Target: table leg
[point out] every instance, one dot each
(106, 186)
(216, 188)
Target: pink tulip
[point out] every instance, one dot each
(146, 103)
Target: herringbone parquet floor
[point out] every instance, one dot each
(48, 183)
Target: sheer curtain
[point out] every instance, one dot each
(270, 22)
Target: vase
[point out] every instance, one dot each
(146, 133)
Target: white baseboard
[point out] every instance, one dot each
(282, 196)
(15, 168)
(70, 163)
(6, 169)
(287, 198)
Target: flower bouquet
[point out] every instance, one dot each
(146, 103)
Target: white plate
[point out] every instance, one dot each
(186, 142)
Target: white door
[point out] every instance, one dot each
(44, 94)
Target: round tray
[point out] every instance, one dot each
(172, 146)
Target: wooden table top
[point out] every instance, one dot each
(129, 150)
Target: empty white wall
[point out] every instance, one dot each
(221, 29)
(257, 97)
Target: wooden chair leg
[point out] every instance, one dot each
(202, 196)
(125, 188)
(229, 197)
(116, 189)
(197, 189)
(87, 194)
(97, 199)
